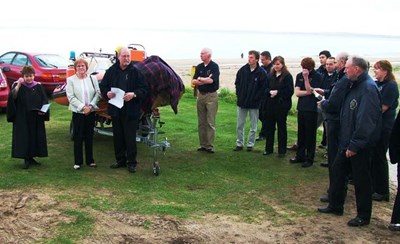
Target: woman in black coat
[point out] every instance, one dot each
(25, 110)
(278, 95)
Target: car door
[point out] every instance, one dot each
(15, 62)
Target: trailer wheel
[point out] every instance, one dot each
(156, 168)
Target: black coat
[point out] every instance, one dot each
(360, 115)
(250, 86)
(394, 143)
(29, 132)
(134, 83)
(284, 85)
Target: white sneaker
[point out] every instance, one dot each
(76, 166)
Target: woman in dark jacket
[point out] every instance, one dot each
(278, 95)
(307, 112)
(387, 86)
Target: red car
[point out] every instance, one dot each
(50, 69)
(4, 90)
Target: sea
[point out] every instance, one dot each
(187, 44)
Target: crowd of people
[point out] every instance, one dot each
(358, 116)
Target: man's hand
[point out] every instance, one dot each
(350, 154)
(110, 94)
(129, 96)
(319, 91)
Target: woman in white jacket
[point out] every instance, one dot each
(83, 95)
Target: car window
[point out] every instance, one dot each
(51, 61)
(6, 58)
(20, 60)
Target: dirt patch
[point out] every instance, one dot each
(28, 217)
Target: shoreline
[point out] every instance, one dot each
(230, 66)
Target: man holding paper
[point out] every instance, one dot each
(123, 76)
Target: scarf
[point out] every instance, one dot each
(32, 84)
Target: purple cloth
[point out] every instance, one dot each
(164, 83)
(30, 85)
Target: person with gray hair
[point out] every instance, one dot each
(360, 126)
(125, 119)
(206, 79)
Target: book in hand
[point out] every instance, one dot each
(45, 108)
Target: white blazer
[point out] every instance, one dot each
(75, 92)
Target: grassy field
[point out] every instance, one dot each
(191, 183)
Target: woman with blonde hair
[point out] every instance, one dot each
(83, 95)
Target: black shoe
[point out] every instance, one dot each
(210, 150)
(325, 164)
(132, 167)
(329, 210)
(201, 149)
(324, 198)
(265, 153)
(260, 138)
(380, 197)
(394, 227)
(118, 165)
(296, 160)
(306, 164)
(249, 149)
(26, 164)
(237, 148)
(357, 222)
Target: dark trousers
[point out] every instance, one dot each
(124, 135)
(306, 135)
(380, 168)
(396, 206)
(332, 129)
(276, 116)
(261, 117)
(324, 134)
(83, 133)
(360, 166)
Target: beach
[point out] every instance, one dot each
(229, 67)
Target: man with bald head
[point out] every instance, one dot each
(125, 76)
(360, 125)
(206, 78)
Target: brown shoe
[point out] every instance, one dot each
(293, 148)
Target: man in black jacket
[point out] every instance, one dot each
(266, 61)
(125, 76)
(360, 121)
(249, 83)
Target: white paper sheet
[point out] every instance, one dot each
(118, 100)
(45, 108)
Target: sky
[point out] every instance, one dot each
(51, 24)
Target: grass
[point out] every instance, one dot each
(191, 183)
